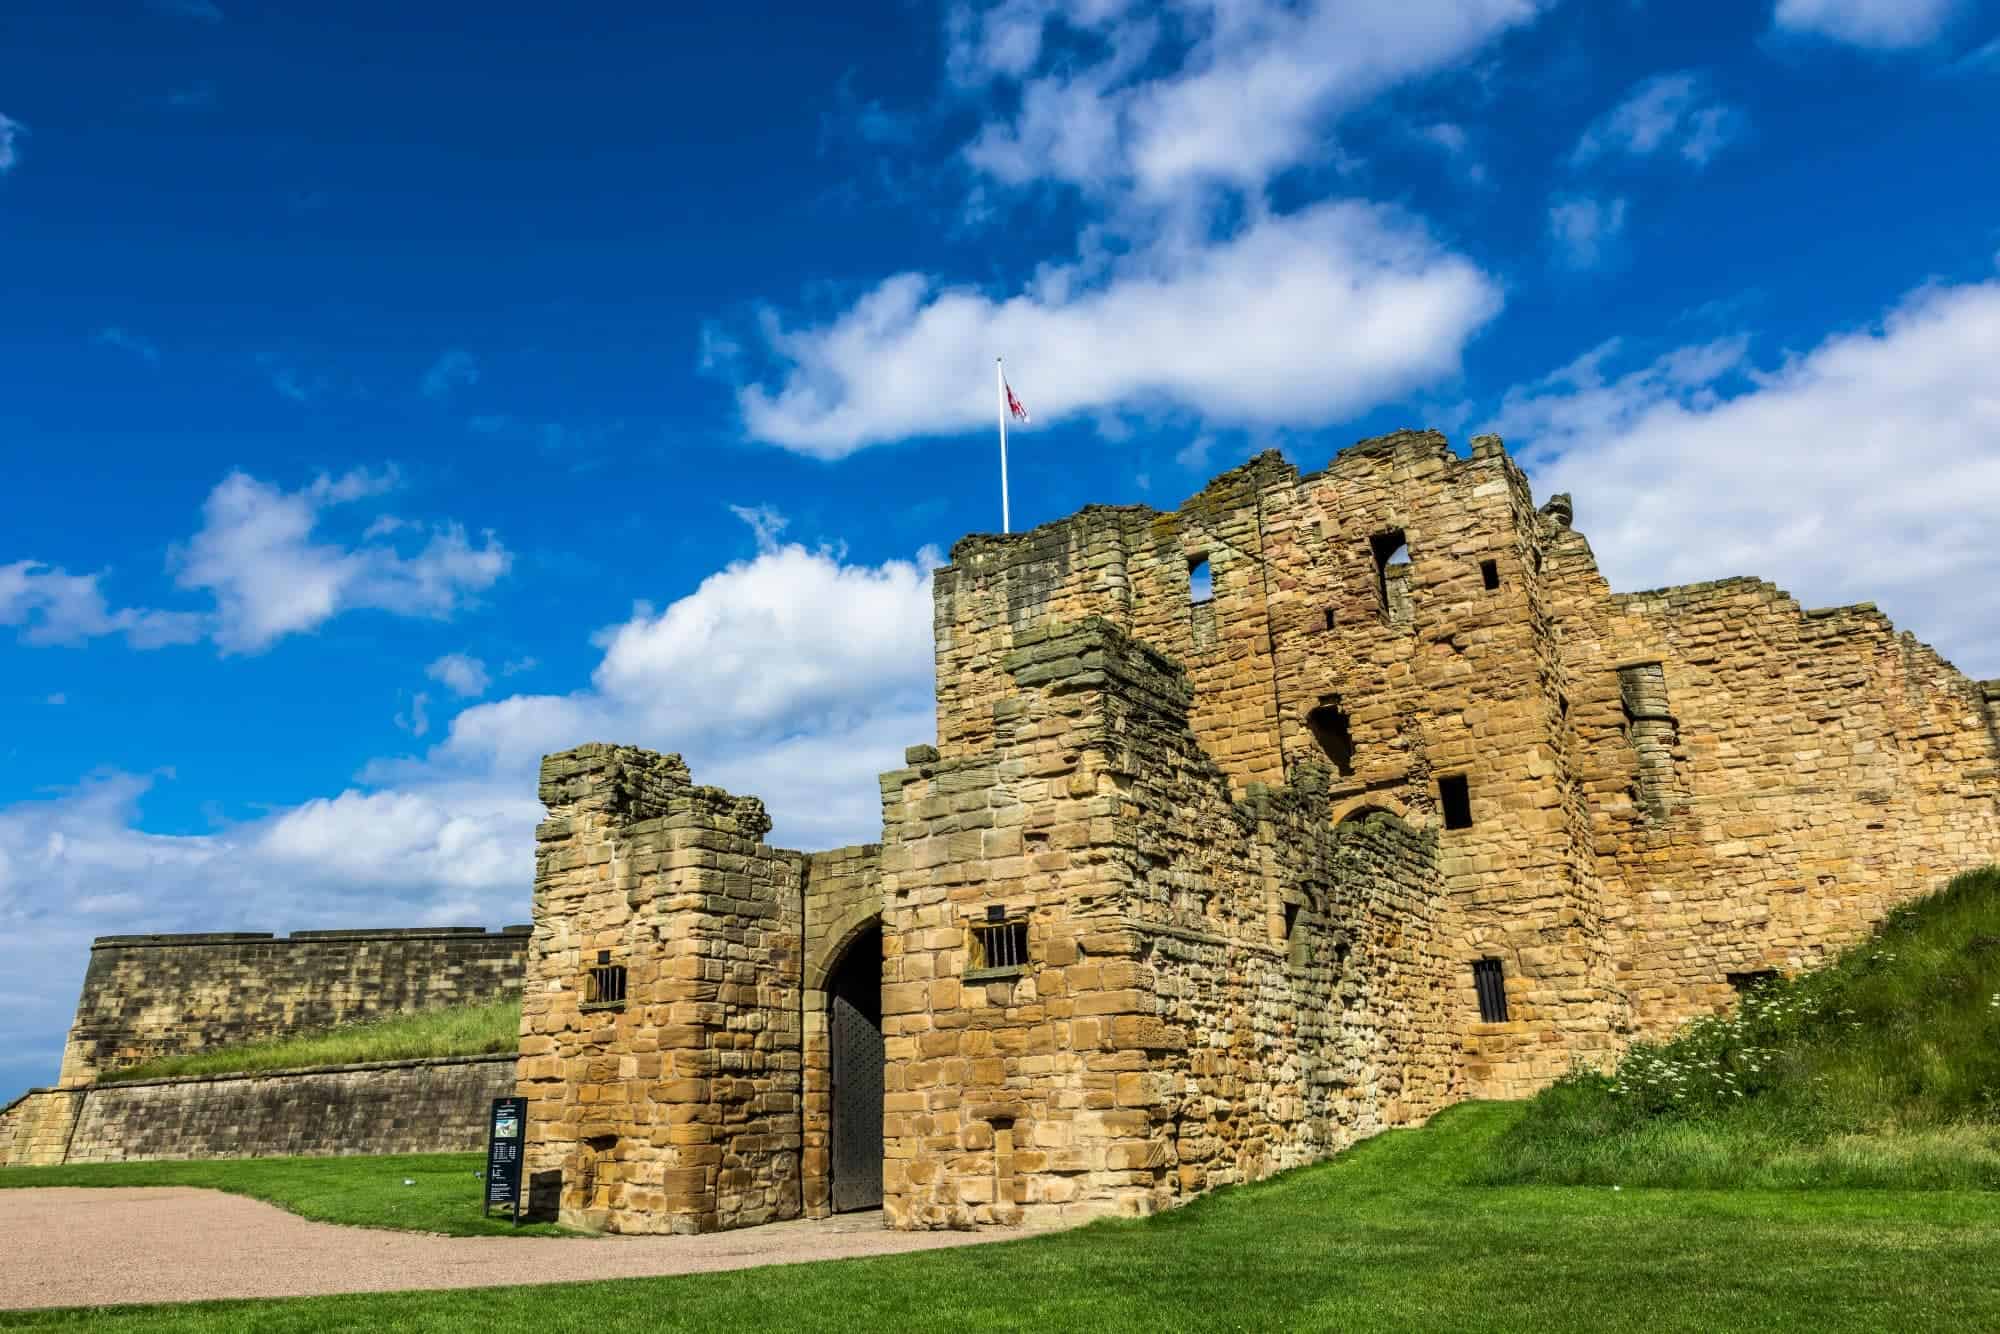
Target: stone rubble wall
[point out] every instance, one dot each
(1218, 989)
(676, 1110)
(163, 995)
(438, 1105)
(1782, 780)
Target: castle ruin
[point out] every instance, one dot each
(1250, 829)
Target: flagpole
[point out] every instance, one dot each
(1000, 389)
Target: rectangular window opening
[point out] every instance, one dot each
(1391, 551)
(1201, 580)
(605, 987)
(1745, 983)
(1456, 798)
(999, 946)
(1291, 919)
(1329, 618)
(1489, 573)
(1489, 981)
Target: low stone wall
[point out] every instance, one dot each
(428, 1106)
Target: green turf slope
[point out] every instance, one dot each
(1880, 1069)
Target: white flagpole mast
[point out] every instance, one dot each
(1000, 388)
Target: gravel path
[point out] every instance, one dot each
(69, 1246)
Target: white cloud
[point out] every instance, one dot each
(466, 676)
(454, 369)
(1583, 228)
(417, 721)
(256, 555)
(1667, 113)
(58, 699)
(1199, 91)
(1887, 25)
(1867, 469)
(1297, 319)
(795, 676)
(9, 155)
(57, 607)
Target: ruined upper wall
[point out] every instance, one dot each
(1765, 781)
(1213, 989)
(148, 996)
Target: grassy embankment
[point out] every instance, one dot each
(467, 1030)
(1389, 1236)
(1881, 1069)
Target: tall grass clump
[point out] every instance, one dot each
(463, 1030)
(1879, 1069)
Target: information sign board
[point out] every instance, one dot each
(505, 1132)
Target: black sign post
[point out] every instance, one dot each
(505, 1132)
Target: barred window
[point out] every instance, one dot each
(605, 986)
(999, 944)
(1491, 985)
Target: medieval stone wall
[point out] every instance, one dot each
(1409, 808)
(148, 996)
(673, 1106)
(1214, 989)
(429, 1106)
(1766, 782)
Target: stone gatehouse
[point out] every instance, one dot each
(1250, 829)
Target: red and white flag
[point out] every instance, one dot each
(1013, 403)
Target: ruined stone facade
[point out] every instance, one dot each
(1413, 808)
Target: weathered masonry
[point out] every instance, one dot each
(163, 995)
(1250, 829)
(150, 996)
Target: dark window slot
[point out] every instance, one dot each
(1490, 982)
(1456, 798)
(1489, 573)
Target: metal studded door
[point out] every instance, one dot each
(857, 1105)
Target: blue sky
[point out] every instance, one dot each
(393, 394)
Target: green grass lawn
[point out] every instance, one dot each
(367, 1192)
(1387, 1236)
(1881, 1069)
(466, 1030)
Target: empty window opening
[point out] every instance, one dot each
(1491, 984)
(1201, 602)
(999, 945)
(1329, 726)
(1456, 798)
(605, 985)
(1745, 983)
(1201, 581)
(1291, 919)
(1489, 573)
(1329, 618)
(1392, 575)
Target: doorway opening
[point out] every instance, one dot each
(854, 1031)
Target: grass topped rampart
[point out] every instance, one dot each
(468, 1030)
(1880, 1069)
